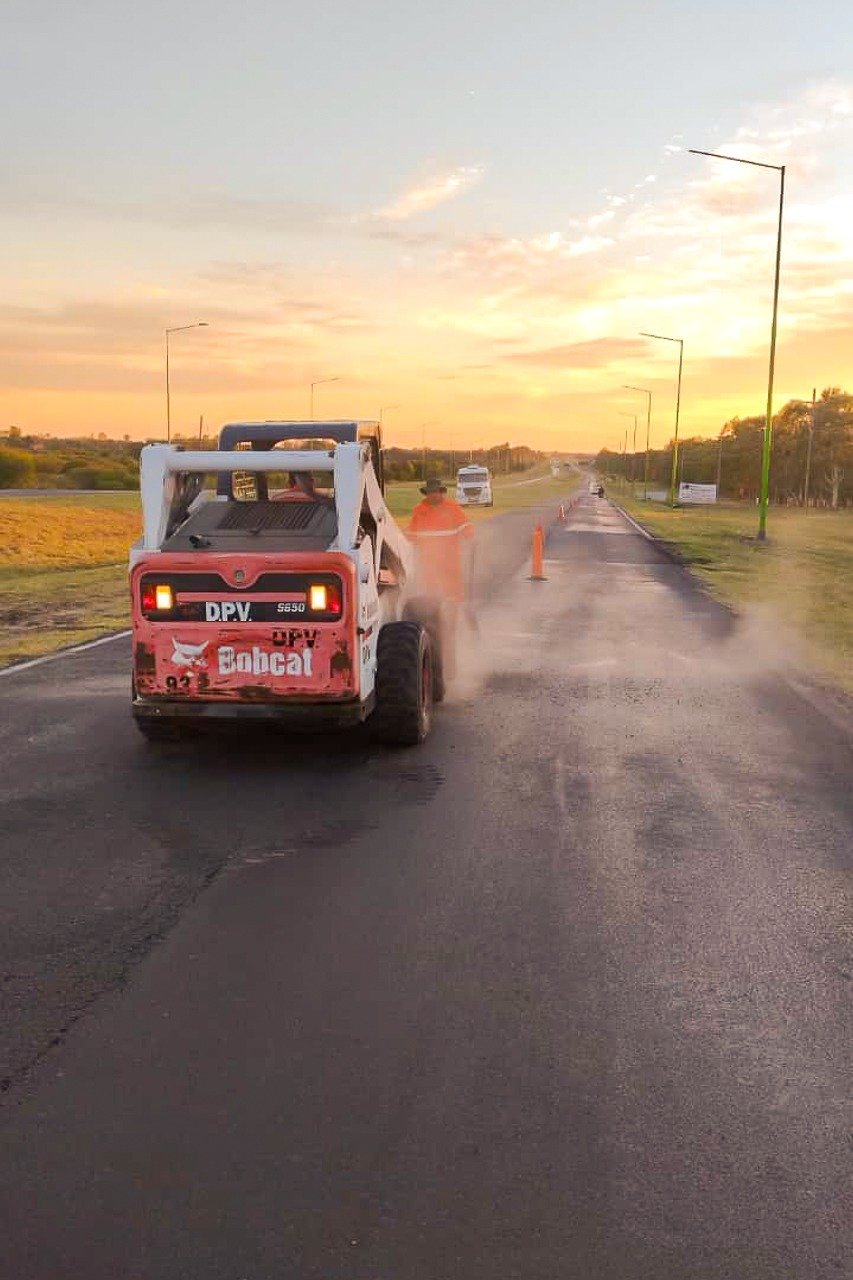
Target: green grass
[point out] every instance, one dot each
(46, 609)
(803, 573)
(508, 493)
(63, 558)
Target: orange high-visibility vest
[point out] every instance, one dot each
(438, 531)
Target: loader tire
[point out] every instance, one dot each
(427, 612)
(404, 685)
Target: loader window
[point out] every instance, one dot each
(281, 486)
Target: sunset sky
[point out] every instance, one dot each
(463, 211)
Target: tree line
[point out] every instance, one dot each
(41, 462)
(815, 448)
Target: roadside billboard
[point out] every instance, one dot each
(697, 493)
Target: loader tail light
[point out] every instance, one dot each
(324, 597)
(157, 598)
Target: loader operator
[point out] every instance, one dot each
(300, 488)
(442, 536)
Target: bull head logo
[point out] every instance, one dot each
(188, 655)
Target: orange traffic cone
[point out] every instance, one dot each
(562, 513)
(536, 574)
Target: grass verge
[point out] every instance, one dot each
(803, 573)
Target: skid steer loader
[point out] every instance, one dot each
(272, 583)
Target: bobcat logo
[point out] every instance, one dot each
(189, 655)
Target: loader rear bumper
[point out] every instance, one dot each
(297, 716)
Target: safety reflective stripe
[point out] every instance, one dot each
(439, 533)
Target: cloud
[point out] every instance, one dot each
(596, 353)
(427, 195)
(116, 345)
(410, 239)
(180, 212)
(511, 255)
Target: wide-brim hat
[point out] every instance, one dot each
(434, 485)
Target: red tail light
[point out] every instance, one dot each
(157, 598)
(325, 597)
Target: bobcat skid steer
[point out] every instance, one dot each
(271, 583)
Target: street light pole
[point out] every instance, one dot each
(663, 338)
(634, 445)
(648, 393)
(319, 383)
(200, 324)
(768, 423)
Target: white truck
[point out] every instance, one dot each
(474, 487)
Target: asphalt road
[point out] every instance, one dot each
(563, 993)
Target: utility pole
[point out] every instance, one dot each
(634, 450)
(809, 452)
(719, 460)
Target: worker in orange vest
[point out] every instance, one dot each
(442, 536)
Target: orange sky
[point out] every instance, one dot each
(465, 332)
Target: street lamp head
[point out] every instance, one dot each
(757, 164)
(662, 337)
(180, 328)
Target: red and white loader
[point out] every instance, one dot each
(292, 604)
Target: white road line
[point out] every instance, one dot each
(63, 653)
(632, 521)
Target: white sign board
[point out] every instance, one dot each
(702, 493)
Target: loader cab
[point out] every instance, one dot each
(296, 435)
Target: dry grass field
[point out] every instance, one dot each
(63, 568)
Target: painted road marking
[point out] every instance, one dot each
(64, 653)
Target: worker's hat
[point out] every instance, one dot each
(434, 485)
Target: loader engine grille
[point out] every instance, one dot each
(264, 516)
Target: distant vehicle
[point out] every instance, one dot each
(474, 487)
(596, 489)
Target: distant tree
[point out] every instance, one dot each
(17, 469)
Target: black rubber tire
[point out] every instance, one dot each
(427, 612)
(403, 712)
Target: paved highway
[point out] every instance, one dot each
(563, 993)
